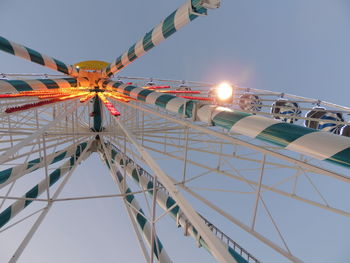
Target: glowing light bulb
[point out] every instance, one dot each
(224, 91)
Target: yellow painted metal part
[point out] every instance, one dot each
(91, 65)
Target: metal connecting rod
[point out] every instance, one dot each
(218, 250)
(317, 144)
(176, 20)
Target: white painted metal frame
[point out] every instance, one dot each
(152, 130)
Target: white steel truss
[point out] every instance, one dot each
(227, 178)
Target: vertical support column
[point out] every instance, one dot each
(97, 115)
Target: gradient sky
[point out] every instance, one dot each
(298, 47)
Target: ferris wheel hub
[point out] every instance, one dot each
(91, 65)
(90, 72)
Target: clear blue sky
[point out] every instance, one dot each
(299, 47)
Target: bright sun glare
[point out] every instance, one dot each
(224, 91)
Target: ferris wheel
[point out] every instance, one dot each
(224, 162)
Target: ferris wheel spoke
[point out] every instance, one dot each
(36, 147)
(11, 174)
(273, 187)
(75, 162)
(169, 205)
(265, 187)
(146, 227)
(217, 248)
(34, 56)
(320, 145)
(243, 143)
(212, 150)
(21, 220)
(267, 241)
(176, 20)
(15, 86)
(26, 153)
(40, 188)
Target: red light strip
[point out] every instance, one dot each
(156, 87)
(70, 96)
(11, 95)
(52, 96)
(196, 98)
(87, 97)
(117, 97)
(181, 91)
(30, 105)
(118, 94)
(112, 110)
(40, 103)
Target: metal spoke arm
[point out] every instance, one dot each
(137, 212)
(11, 174)
(84, 154)
(38, 189)
(265, 187)
(176, 20)
(218, 250)
(15, 86)
(317, 144)
(167, 203)
(34, 56)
